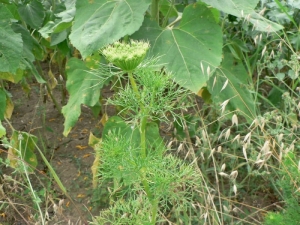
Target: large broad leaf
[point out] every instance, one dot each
(101, 22)
(10, 44)
(83, 87)
(231, 82)
(245, 9)
(32, 13)
(197, 40)
(22, 150)
(31, 47)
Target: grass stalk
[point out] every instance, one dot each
(35, 197)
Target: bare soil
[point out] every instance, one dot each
(71, 158)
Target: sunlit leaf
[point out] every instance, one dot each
(2, 130)
(98, 23)
(197, 39)
(245, 9)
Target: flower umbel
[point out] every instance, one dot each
(126, 56)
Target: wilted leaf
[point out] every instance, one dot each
(52, 80)
(9, 108)
(14, 78)
(95, 142)
(83, 87)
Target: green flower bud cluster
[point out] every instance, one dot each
(126, 56)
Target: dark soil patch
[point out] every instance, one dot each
(71, 158)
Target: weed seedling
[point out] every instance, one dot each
(148, 185)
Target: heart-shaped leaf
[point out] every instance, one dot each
(32, 13)
(99, 23)
(197, 40)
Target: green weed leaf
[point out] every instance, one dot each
(31, 48)
(10, 42)
(99, 23)
(118, 125)
(2, 103)
(83, 87)
(2, 130)
(22, 148)
(62, 22)
(197, 39)
(243, 8)
(237, 89)
(32, 13)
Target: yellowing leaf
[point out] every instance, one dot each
(9, 108)
(81, 147)
(94, 169)
(80, 196)
(104, 119)
(52, 80)
(95, 143)
(2, 130)
(86, 155)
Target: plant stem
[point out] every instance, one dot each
(143, 146)
(58, 107)
(133, 84)
(154, 211)
(155, 10)
(11, 127)
(154, 203)
(143, 136)
(36, 199)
